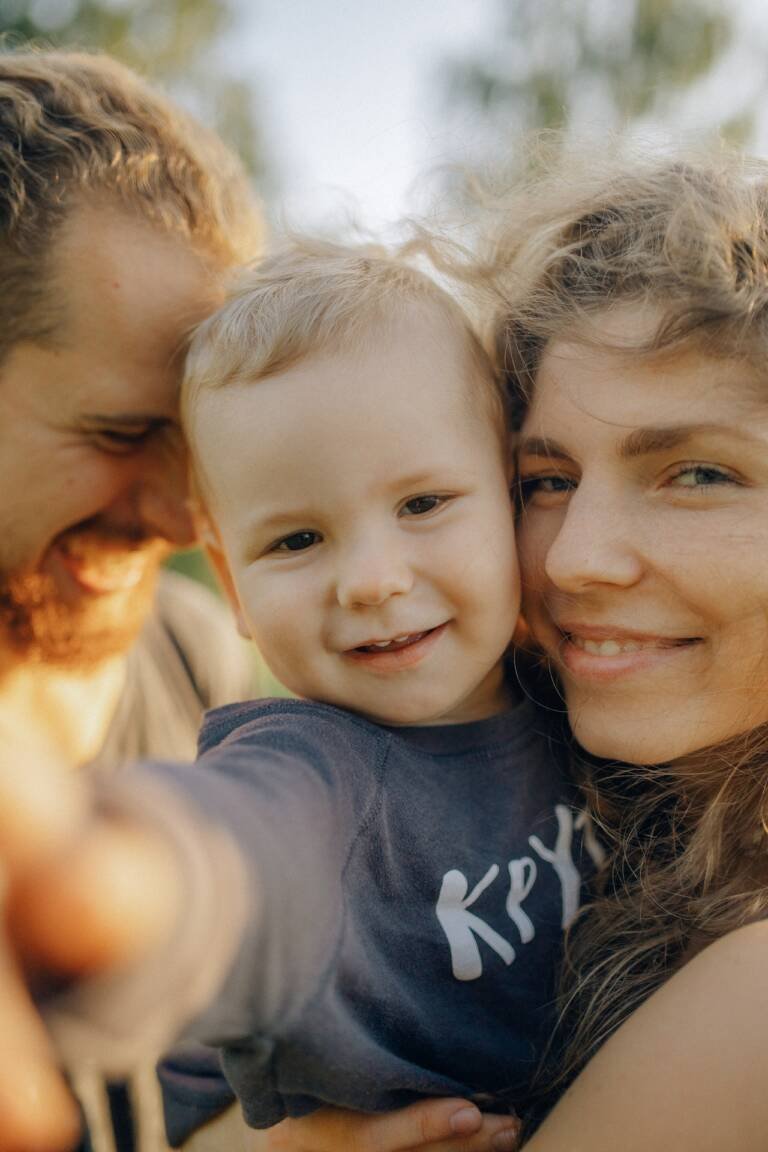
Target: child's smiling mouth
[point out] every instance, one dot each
(401, 651)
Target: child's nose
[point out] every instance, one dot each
(371, 580)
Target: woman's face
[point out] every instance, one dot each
(644, 543)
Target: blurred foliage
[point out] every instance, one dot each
(193, 563)
(171, 41)
(576, 63)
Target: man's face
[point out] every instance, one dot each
(92, 471)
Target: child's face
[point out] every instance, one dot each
(362, 500)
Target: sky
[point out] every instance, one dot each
(349, 98)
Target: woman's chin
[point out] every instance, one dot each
(629, 744)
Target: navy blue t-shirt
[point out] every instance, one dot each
(412, 886)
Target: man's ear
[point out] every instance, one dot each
(211, 542)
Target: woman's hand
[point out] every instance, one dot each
(428, 1126)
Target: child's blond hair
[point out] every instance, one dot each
(312, 296)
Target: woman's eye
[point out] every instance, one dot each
(551, 488)
(701, 476)
(296, 542)
(421, 505)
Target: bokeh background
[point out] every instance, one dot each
(355, 112)
(338, 106)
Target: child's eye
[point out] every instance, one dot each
(296, 542)
(422, 505)
(701, 476)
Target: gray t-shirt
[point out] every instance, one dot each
(410, 888)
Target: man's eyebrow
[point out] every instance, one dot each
(640, 442)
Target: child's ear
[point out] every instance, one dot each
(211, 542)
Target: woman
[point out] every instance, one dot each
(634, 335)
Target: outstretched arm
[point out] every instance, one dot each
(60, 876)
(687, 1072)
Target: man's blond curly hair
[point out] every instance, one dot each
(78, 128)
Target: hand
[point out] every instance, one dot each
(428, 1126)
(67, 881)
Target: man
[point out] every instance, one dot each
(118, 218)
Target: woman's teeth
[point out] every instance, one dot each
(617, 647)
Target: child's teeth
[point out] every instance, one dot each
(409, 637)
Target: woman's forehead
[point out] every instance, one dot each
(624, 390)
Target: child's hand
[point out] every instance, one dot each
(429, 1126)
(79, 895)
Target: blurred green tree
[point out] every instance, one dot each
(632, 63)
(176, 42)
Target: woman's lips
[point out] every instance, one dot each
(401, 652)
(602, 654)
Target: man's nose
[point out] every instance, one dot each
(596, 543)
(371, 575)
(158, 500)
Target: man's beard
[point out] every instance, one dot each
(38, 624)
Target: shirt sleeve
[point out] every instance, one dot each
(262, 826)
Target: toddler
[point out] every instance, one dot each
(385, 913)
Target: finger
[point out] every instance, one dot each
(429, 1126)
(37, 1113)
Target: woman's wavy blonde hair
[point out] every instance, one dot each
(688, 237)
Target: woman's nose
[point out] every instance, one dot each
(595, 544)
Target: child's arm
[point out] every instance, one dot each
(179, 877)
(59, 874)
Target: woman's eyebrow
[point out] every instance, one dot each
(646, 441)
(641, 441)
(542, 446)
